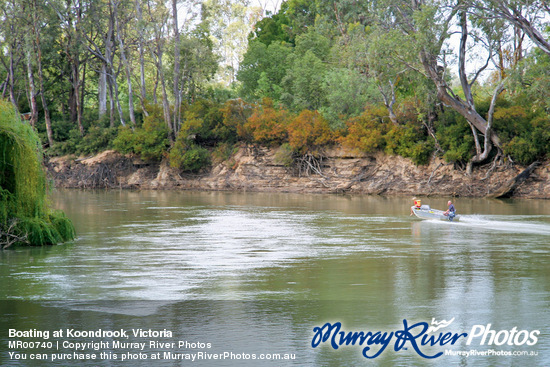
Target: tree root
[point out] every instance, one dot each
(309, 163)
(496, 161)
(9, 236)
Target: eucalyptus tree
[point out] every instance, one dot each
(39, 15)
(71, 14)
(12, 39)
(531, 16)
(122, 17)
(141, 27)
(157, 16)
(230, 22)
(422, 31)
(100, 42)
(176, 121)
(199, 63)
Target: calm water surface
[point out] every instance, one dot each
(286, 263)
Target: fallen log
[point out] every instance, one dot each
(508, 188)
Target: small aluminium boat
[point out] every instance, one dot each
(425, 212)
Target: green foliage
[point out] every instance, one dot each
(46, 231)
(455, 137)
(304, 82)
(522, 150)
(223, 152)
(366, 132)
(263, 69)
(235, 115)
(409, 141)
(203, 124)
(188, 156)
(272, 29)
(346, 94)
(149, 141)
(526, 134)
(98, 137)
(285, 155)
(23, 200)
(530, 80)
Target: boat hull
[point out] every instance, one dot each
(433, 214)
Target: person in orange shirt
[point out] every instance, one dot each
(417, 204)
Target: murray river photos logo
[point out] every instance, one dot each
(419, 337)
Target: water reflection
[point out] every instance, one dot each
(363, 259)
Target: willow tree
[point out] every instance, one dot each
(25, 217)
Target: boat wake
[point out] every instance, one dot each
(513, 224)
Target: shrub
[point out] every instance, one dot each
(189, 157)
(366, 132)
(150, 141)
(455, 137)
(308, 132)
(285, 155)
(235, 113)
(96, 139)
(203, 123)
(410, 142)
(525, 134)
(268, 124)
(223, 152)
(522, 150)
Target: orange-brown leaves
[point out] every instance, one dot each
(309, 131)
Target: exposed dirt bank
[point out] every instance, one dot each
(254, 168)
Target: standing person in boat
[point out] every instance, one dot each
(451, 211)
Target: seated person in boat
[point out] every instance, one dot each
(451, 211)
(417, 204)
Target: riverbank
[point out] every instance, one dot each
(254, 168)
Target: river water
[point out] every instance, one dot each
(257, 272)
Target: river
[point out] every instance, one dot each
(257, 272)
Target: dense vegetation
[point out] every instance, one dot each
(468, 81)
(24, 213)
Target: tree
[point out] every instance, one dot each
(530, 16)
(120, 18)
(262, 70)
(70, 17)
(424, 29)
(101, 43)
(38, 10)
(11, 14)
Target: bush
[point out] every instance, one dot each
(284, 156)
(308, 132)
(521, 150)
(455, 137)
(525, 134)
(410, 142)
(235, 113)
(150, 141)
(223, 152)
(267, 124)
(189, 157)
(96, 139)
(366, 132)
(203, 123)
